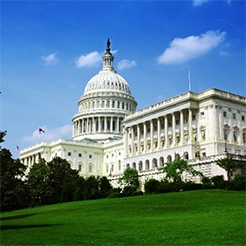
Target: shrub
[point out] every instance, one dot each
(191, 186)
(164, 186)
(206, 180)
(114, 193)
(129, 190)
(151, 186)
(217, 180)
(238, 183)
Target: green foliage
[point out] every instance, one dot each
(129, 178)
(91, 188)
(60, 173)
(2, 135)
(238, 183)
(38, 185)
(206, 180)
(51, 182)
(218, 181)
(78, 193)
(104, 187)
(151, 186)
(229, 165)
(174, 170)
(14, 193)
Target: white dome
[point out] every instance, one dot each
(107, 80)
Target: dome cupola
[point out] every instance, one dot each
(104, 104)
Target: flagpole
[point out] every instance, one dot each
(189, 77)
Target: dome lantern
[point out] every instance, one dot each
(108, 59)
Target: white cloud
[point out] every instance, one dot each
(49, 135)
(199, 2)
(50, 59)
(113, 52)
(124, 64)
(185, 49)
(90, 60)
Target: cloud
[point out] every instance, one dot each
(124, 64)
(185, 49)
(113, 52)
(49, 135)
(90, 60)
(50, 59)
(199, 2)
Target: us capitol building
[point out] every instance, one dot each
(109, 134)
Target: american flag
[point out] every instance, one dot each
(41, 131)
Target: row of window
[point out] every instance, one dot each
(79, 154)
(107, 104)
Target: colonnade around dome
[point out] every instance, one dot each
(97, 125)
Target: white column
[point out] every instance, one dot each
(82, 126)
(158, 133)
(132, 142)
(99, 124)
(145, 136)
(105, 123)
(190, 127)
(126, 142)
(117, 125)
(166, 134)
(174, 129)
(138, 138)
(111, 124)
(151, 135)
(181, 127)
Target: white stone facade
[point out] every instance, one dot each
(109, 135)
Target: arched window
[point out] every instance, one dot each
(186, 156)
(169, 158)
(140, 166)
(147, 165)
(161, 161)
(154, 163)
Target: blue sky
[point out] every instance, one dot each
(50, 50)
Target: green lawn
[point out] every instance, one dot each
(205, 217)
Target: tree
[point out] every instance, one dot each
(2, 135)
(129, 178)
(104, 187)
(14, 193)
(175, 169)
(229, 165)
(60, 173)
(91, 188)
(38, 185)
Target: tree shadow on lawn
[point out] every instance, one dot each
(13, 227)
(23, 216)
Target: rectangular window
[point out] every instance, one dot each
(244, 137)
(80, 155)
(243, 118)
(224, 114)
(234, 116)
(225, 134)
(69, 153)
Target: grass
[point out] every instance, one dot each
(205, 217)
